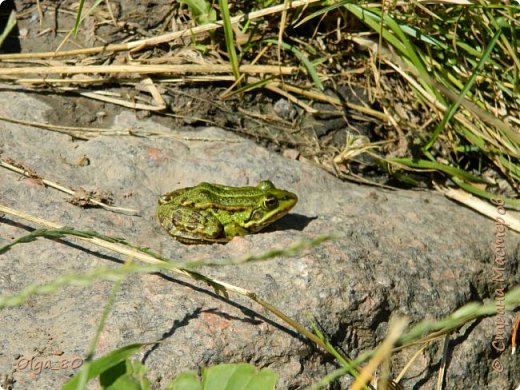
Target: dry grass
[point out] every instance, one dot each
(419, 105)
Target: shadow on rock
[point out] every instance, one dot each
(290, 222)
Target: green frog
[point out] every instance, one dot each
(210, 213)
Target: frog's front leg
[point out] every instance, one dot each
(233, 229)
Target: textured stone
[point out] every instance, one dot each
(398, 252)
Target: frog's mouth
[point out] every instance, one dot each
(260, 217)
(274, 218)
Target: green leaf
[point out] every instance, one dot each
(202, 11)
(186, 381)
(104, 363)
(127, 375)
(240, 376)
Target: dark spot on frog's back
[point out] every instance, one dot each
(195, 221)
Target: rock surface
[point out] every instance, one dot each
(397, 252)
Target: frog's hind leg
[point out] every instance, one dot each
(193, 225)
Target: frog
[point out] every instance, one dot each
(216, 213)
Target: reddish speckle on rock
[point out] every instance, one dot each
(214, 321)
(154, 154)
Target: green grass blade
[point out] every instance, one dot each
(83, 377)
(484, 194)
(80, 17)
(228, 33)
(11, 22)
(319, 12)
(514, 169)
(432, 165)
(397, 38)
(303, 58)
(453, 108)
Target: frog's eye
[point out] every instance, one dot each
(270, 202)
(265, 185)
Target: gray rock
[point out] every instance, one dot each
(398, 252)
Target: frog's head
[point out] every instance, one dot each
(272, 205)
